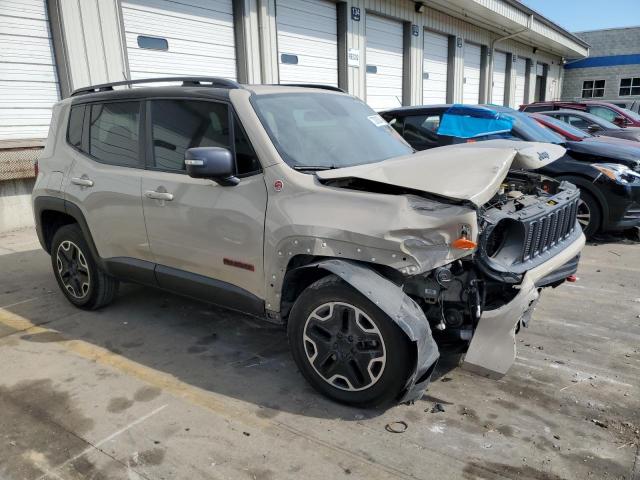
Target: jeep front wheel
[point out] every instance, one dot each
(346, 347)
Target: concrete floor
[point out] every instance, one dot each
(156, 386)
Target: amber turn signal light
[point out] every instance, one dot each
(464, 244)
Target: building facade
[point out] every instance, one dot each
(387, 52)
(612, 71)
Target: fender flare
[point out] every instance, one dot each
(45, 203)
(400, 308)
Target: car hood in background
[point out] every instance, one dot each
(629, 133)
(467, 174)
(625, 152)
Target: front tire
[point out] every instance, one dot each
(76, 271)
(589, 213)
(346, 347)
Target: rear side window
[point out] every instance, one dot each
(74, 131)
(114, 133)
(178, 125)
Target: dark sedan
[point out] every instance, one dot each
(594, 125)
(610, 188)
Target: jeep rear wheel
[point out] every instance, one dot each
(346, 347)
(77, 273)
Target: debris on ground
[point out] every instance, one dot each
(599, 423)
(396, 427)
(437, 408)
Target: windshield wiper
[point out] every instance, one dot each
(313, 168)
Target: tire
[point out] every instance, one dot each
(589, 213)
(78, 275)
(346, 347)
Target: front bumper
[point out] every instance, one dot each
(623, 205)
(493, 347)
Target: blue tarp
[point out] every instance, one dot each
(463, 121)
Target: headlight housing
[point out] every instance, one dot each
(616, 172)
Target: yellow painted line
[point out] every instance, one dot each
(225, 406)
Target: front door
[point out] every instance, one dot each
(202, 233)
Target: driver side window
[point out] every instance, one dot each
(603, 112)
(178, 125)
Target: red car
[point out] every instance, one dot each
(622, 117)
(570, 132)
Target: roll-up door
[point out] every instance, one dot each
(521, 68)
(179, 37)
(499, 78)
(471, 87)
(28, 79)
(307, 41)
(384, 57)
(434, 68)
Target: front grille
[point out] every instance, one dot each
(546, 231)
(633, 213)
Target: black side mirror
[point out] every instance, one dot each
(593, 128)
(214, 163)
(620, 121)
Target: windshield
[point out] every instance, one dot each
(531, 130)
(632, 114)
(323, 130)
(576, 132)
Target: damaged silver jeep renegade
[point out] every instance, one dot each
(302, 206)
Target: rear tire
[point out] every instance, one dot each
(76, 271)
(346, 347)
(589, 213)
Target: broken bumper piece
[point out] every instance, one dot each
(493, 347)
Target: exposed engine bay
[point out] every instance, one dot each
(528, 220)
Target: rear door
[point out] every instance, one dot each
(106, 174)
(471, 87)
(202, 230)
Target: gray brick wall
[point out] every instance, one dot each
(620, 41)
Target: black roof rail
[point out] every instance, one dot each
(217, 82)
(312, 85)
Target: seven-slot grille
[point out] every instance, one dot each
(546, 231)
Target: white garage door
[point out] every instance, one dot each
(384, 62)
(434, 68)
(307, 41)
(179, 37)
(28, 80)
(471, 87)
(521, 68)
(499, 79)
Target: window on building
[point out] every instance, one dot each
(114, 133)
(153, 43)
(593, 88)
(629, 86)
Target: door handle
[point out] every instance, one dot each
(82, 181)
(158, 195)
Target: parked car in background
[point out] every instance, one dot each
(593, 124)
(609, 182)
(620, 116)
(303, 207)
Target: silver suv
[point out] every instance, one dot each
(303, 207)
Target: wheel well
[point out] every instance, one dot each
(584, 183)
(51, 221)
(297, 279)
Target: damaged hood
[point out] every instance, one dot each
(471, 174)
(529, 155)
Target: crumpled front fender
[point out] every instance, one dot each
(401, 309)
